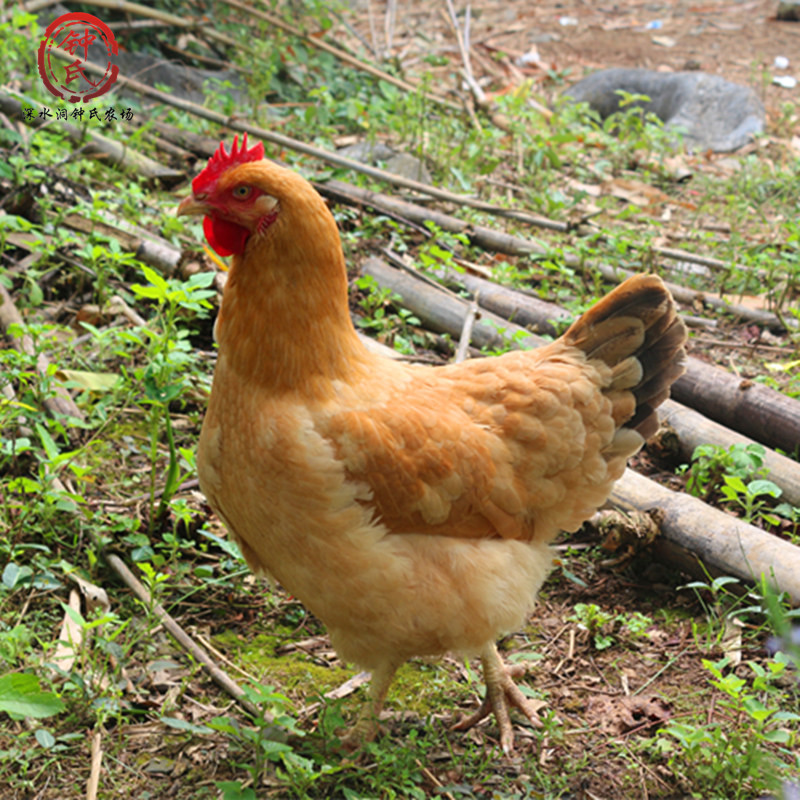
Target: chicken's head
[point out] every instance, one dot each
(235, 197)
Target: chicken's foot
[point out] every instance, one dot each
(501, 691)
(368, 723)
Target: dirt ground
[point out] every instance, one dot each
(737, 40)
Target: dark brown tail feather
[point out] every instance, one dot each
(636, 320)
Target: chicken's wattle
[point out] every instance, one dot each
(226, 238)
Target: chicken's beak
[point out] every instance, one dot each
(190, 206)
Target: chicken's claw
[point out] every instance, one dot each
(367, 726)
(501, 692)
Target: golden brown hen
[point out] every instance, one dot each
(409, 508)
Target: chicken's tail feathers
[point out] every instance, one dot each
(636, 331)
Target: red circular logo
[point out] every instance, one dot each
(76, 33)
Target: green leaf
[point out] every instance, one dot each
(45, 738)
(759, 487)
(232, 790)
(735, 483)
(155, 279)
(183, 725)
(21, 695)
(13, 574)
(49, 446)
(779, 736)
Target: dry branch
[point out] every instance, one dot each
(530, 312)
(693, 298)
(724, 542)
(219, 676)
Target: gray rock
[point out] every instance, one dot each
(183, 81)
(713, 113)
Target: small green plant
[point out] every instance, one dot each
(164, 377)
(749, 749)
(602, 624)
(751, 497)
(395, 325)
(710, 463)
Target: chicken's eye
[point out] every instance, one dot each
(242, 192)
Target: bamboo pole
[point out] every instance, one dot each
(724, 542)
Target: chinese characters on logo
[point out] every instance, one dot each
(109, 115)
(74, 34)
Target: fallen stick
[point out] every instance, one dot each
(219, 676)
(743, 405)
(725, 542)
(289, 143)
(691, 297)
(443, 312)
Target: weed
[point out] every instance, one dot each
(740, 760)
(710, 463)
(601, 624)
(386, 318)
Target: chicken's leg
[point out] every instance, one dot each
(368, 722)
(501, 691)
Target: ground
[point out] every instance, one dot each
(617, 654)
(736, 40)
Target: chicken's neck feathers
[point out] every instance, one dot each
(285, 321)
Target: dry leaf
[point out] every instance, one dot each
(70, 637)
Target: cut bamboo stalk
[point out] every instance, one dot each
(724, 542)
(694, 429)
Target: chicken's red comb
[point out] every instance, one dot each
(221, 161)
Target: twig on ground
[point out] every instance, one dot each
(219, 676)
(466, 330)
(93, 783)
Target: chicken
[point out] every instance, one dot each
(409, 508)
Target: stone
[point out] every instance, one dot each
(712, 113)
